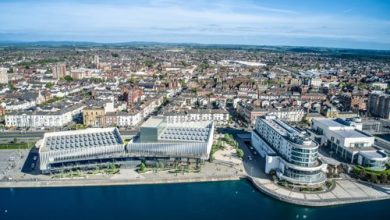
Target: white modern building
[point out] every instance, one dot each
(348, 142)
(288, 151)
(160, 139)
(76, 149)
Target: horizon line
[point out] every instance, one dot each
(183, 43)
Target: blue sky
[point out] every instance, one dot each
(331, 23)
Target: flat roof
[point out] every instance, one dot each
(329, 122)
(152, 122)
(299, 139)
(88, 138)
(352, 134)
(185, 134)
(373, 155)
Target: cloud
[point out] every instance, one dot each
(192, 20)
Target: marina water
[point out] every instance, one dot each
(214, 200)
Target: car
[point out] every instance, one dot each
(249, 158)
(35, 158)
(251, 148)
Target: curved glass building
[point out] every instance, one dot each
(288, 151)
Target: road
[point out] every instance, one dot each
(39, 134)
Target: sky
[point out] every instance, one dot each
(363, 24)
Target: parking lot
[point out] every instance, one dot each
(11, 163)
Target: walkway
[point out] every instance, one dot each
(345, 190)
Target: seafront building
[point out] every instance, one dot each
(348, 142)
(79, 149)
(160, 139)
(288, 151)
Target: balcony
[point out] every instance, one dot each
(314, 179)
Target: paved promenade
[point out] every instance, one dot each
(344, 192)
(215, 171)
(111, 182)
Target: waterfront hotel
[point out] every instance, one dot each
(288, 151)
(78, 149)
(345, 138)
(160, 139)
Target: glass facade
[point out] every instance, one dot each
(305, 176)
(304, 157)
(148, 134)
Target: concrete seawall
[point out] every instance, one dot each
(310, 202)
(261, 186)
(108, 182)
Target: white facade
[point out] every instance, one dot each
(218, 117)
(41, 119)
(289, 152)
(315, 82)
(3, 75)
(160, 139)
(17, 106)
(129, 119)
(348, 142)
(293, 115)
(71, 146)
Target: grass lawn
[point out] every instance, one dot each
(9, 146)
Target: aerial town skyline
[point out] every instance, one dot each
(173, 109)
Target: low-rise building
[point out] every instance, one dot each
(43, 119)
(94, 117)
(249, 113)
(348, 142)
(218, 116)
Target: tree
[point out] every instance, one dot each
(240, 153)
(11, 86)
(68, 78)
(383, 178)
(132, 80)
(49, 85)
(142, 167)
(362, 173)
(374, 178)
